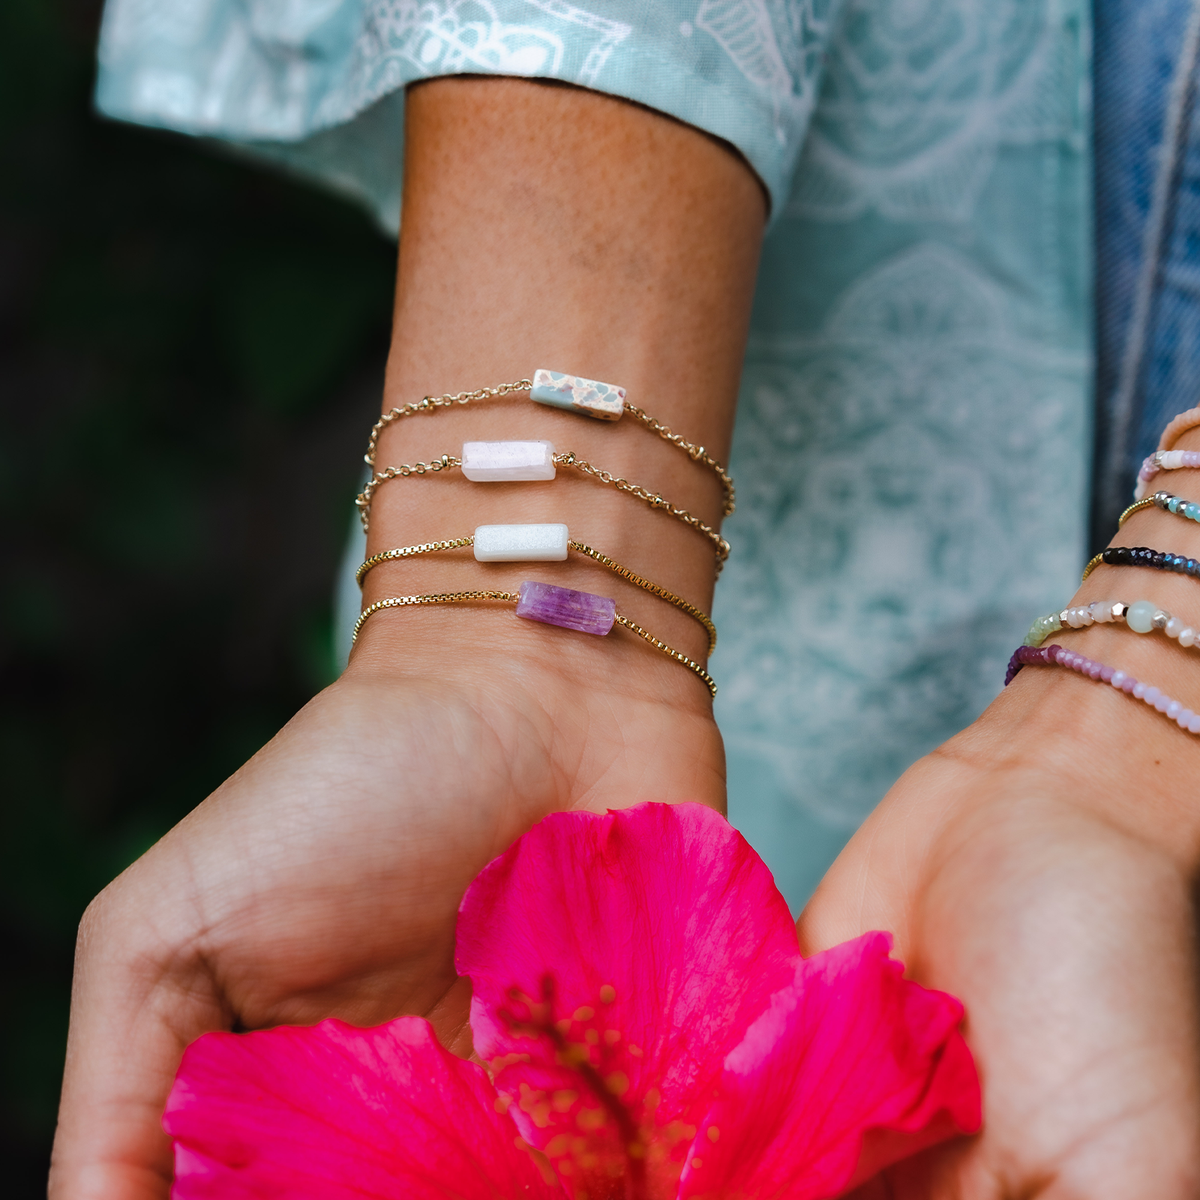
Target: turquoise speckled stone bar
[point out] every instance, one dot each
(583, 611)
(605, 401)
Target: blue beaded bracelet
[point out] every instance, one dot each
(1143, 556)
(1167, 502)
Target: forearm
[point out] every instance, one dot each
(551, 227)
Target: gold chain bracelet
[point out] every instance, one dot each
(568, 458)
(433, 403)
(624, 572)
(516, 598)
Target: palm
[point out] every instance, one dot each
(324, 878)
(1071, 946)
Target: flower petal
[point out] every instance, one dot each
(332, 1111)
(615, 961)
(851, 1069)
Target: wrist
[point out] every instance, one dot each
(1112, 755)
(481, 649)
(650, 292)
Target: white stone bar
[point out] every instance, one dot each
(505, 462)
(520, 543)
(605, 401)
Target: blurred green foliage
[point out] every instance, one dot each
(190, 356)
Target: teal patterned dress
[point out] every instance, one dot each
(922, 323)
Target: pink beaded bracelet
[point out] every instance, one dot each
(1165, 458)
(1060, 656)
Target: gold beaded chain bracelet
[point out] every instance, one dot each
(551, 605)
(589, 397)
(527, 461)
(537, 543)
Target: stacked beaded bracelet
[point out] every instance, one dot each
(1143, 556)
(1177, 505)
(1059, 656)
(589, 397)
(528, 461)
(551, 605)
(1165, 458)
(537, 543)
(1142, 616)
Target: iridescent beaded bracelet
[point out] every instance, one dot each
(525, 462)
(584, 612)
(1142, 616)
(537, 543)
(589, 397)
(1059, 656)
(1143, 556)
(1168, 503)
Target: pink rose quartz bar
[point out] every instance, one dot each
(604, 401)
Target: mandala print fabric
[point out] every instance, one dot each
(915, 418)
(914, 427)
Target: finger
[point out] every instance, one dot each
(135, 1007)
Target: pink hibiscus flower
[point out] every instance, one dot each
(651, 1030)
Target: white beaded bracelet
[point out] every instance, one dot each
(1142, 616)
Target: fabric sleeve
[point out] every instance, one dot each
(317, 85)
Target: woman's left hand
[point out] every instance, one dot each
(1045, 878)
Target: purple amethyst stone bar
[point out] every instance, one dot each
(552, 605)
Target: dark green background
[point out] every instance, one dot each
(190, 358)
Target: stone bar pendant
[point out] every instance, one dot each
(552, 605)
(520, 543)
(504, 462)
(604, 401)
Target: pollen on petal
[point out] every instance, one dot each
(608, 994)
(591, 1118)
(617, 1083)
(713, 1133)
(584, 1013)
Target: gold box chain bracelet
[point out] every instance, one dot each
(432, 403)
(567, 458)
(625, 573)
(517, 598)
